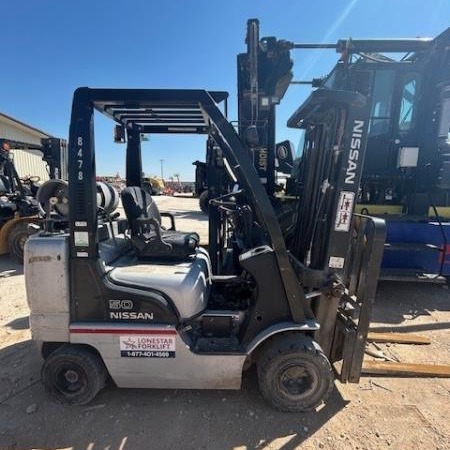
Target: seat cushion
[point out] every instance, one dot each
(175, 245)
(187, 283)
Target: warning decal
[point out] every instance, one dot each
(344, 211)
(336, 262)
(148, 346)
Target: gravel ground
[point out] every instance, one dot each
(379, 413)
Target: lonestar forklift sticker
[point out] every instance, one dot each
(147, 346)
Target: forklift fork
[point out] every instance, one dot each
(361, 274)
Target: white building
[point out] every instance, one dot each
(27, 159)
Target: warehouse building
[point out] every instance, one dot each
(24, 142)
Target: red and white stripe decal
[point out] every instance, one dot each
(122, 331)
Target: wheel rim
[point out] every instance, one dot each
(70, 379)
(298, 380)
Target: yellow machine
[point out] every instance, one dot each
(154, 185)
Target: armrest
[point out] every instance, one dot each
(171, 217)
(157, 226)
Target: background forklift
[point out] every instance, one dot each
(201, 186)
(406, 174)
(18, 204)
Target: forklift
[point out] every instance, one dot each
(406, 171)
(161, 312)
(200, 185)
(141, 303)
(406, 176)
(19, 206)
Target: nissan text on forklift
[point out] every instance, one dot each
(146, 306)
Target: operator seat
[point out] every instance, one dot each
(148, 237)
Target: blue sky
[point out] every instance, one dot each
(50, 47)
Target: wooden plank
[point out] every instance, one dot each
(398, 338)
(406, 370)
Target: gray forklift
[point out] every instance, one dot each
(137, 301)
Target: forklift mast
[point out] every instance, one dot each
(264, 75)
(335, 124)
(55, 155)
(327, 235)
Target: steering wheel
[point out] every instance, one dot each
(32, 179)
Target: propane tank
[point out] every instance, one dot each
(53, 195)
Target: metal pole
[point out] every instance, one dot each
(162, 168)
(314, 46)
(302, 82)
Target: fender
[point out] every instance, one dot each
(309, 325)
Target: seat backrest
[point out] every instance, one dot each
(138, 203)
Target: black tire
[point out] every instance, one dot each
(17, 236)
(203, 201)
(73, 375)
(294, 375)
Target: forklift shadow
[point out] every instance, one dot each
(401, 302)
(9, 268)
(228, 419)
(204, 419)
(146, 419)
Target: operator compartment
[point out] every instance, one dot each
(186, 283)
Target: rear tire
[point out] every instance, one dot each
(17, 237)
(73, 375)
(294, 375)
(203, 201)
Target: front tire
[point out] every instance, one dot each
(73, 375)
(294, 375)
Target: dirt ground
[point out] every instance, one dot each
(379, 413)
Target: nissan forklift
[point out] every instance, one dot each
(137, 301)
